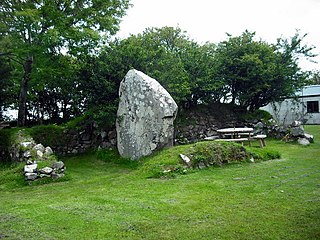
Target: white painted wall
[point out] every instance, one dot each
(290, 110)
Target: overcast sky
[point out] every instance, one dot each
(209, 20)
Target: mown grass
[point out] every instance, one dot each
(105, 198)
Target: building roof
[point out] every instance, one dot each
(311, 90)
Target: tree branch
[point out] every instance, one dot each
(9, 55)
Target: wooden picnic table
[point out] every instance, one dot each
(235, 132)
(238, 133)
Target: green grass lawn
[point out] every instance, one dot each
(276, 199)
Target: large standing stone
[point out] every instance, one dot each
(145, 116)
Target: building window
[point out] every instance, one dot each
(312, 107)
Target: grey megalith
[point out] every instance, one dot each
(145, 116)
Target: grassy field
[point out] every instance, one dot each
(277, 199)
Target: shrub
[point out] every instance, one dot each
(48, 135)
(217, 153)
(257, 115)
(5, 143)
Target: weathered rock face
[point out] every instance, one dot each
(145, 116)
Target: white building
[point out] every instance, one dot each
(304, 107)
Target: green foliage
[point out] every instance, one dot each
(34, 32)
(48, 135)
(6, 85)
(264, 154)
(77, 122)
(214, 153)
(6, 138)
(256, 73)
(182, 66)
(11, 175)
(168, 164)
(104, 115)
(257, 115)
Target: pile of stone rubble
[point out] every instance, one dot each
(32, 172)
(25, 149)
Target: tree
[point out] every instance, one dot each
(34, 28)
(256, 73)
(198, 61)
(5, 85)
(182, 66)
(54, 92)
(153, 52)
(314, 78)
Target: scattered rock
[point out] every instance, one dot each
(48, 151)
(32, 168)
(309, 137)
(29, 162)
(201, 165)
(27, 154)
(297, 131)
(30, 176)
(39, 147)
(55, 175)
(74, 151)
(26, 144)
(44, 175)
(303, 141)
(31, 172)
(58, 165)
(46, 170)
(39, 154)
(185, 159)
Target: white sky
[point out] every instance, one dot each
(209, 20)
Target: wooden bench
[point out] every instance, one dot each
(241, 140)
(261, 138)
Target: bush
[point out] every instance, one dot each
(217, 153)
(5, 144)
(257, 115)
(168, 164)
(48, 135)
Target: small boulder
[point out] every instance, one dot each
(55, 175)
(39, 154)
(30, 176)
(27, 154)
(26, 144)
(39, 147)
(46, 170)
(29, 162)
(48, 151)
(297, 131)
(44, 175)
(303, 141)
(31, 168)
(185, 159)
(309, 137)
(58, 165)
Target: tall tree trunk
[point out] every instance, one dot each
(22, 112)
